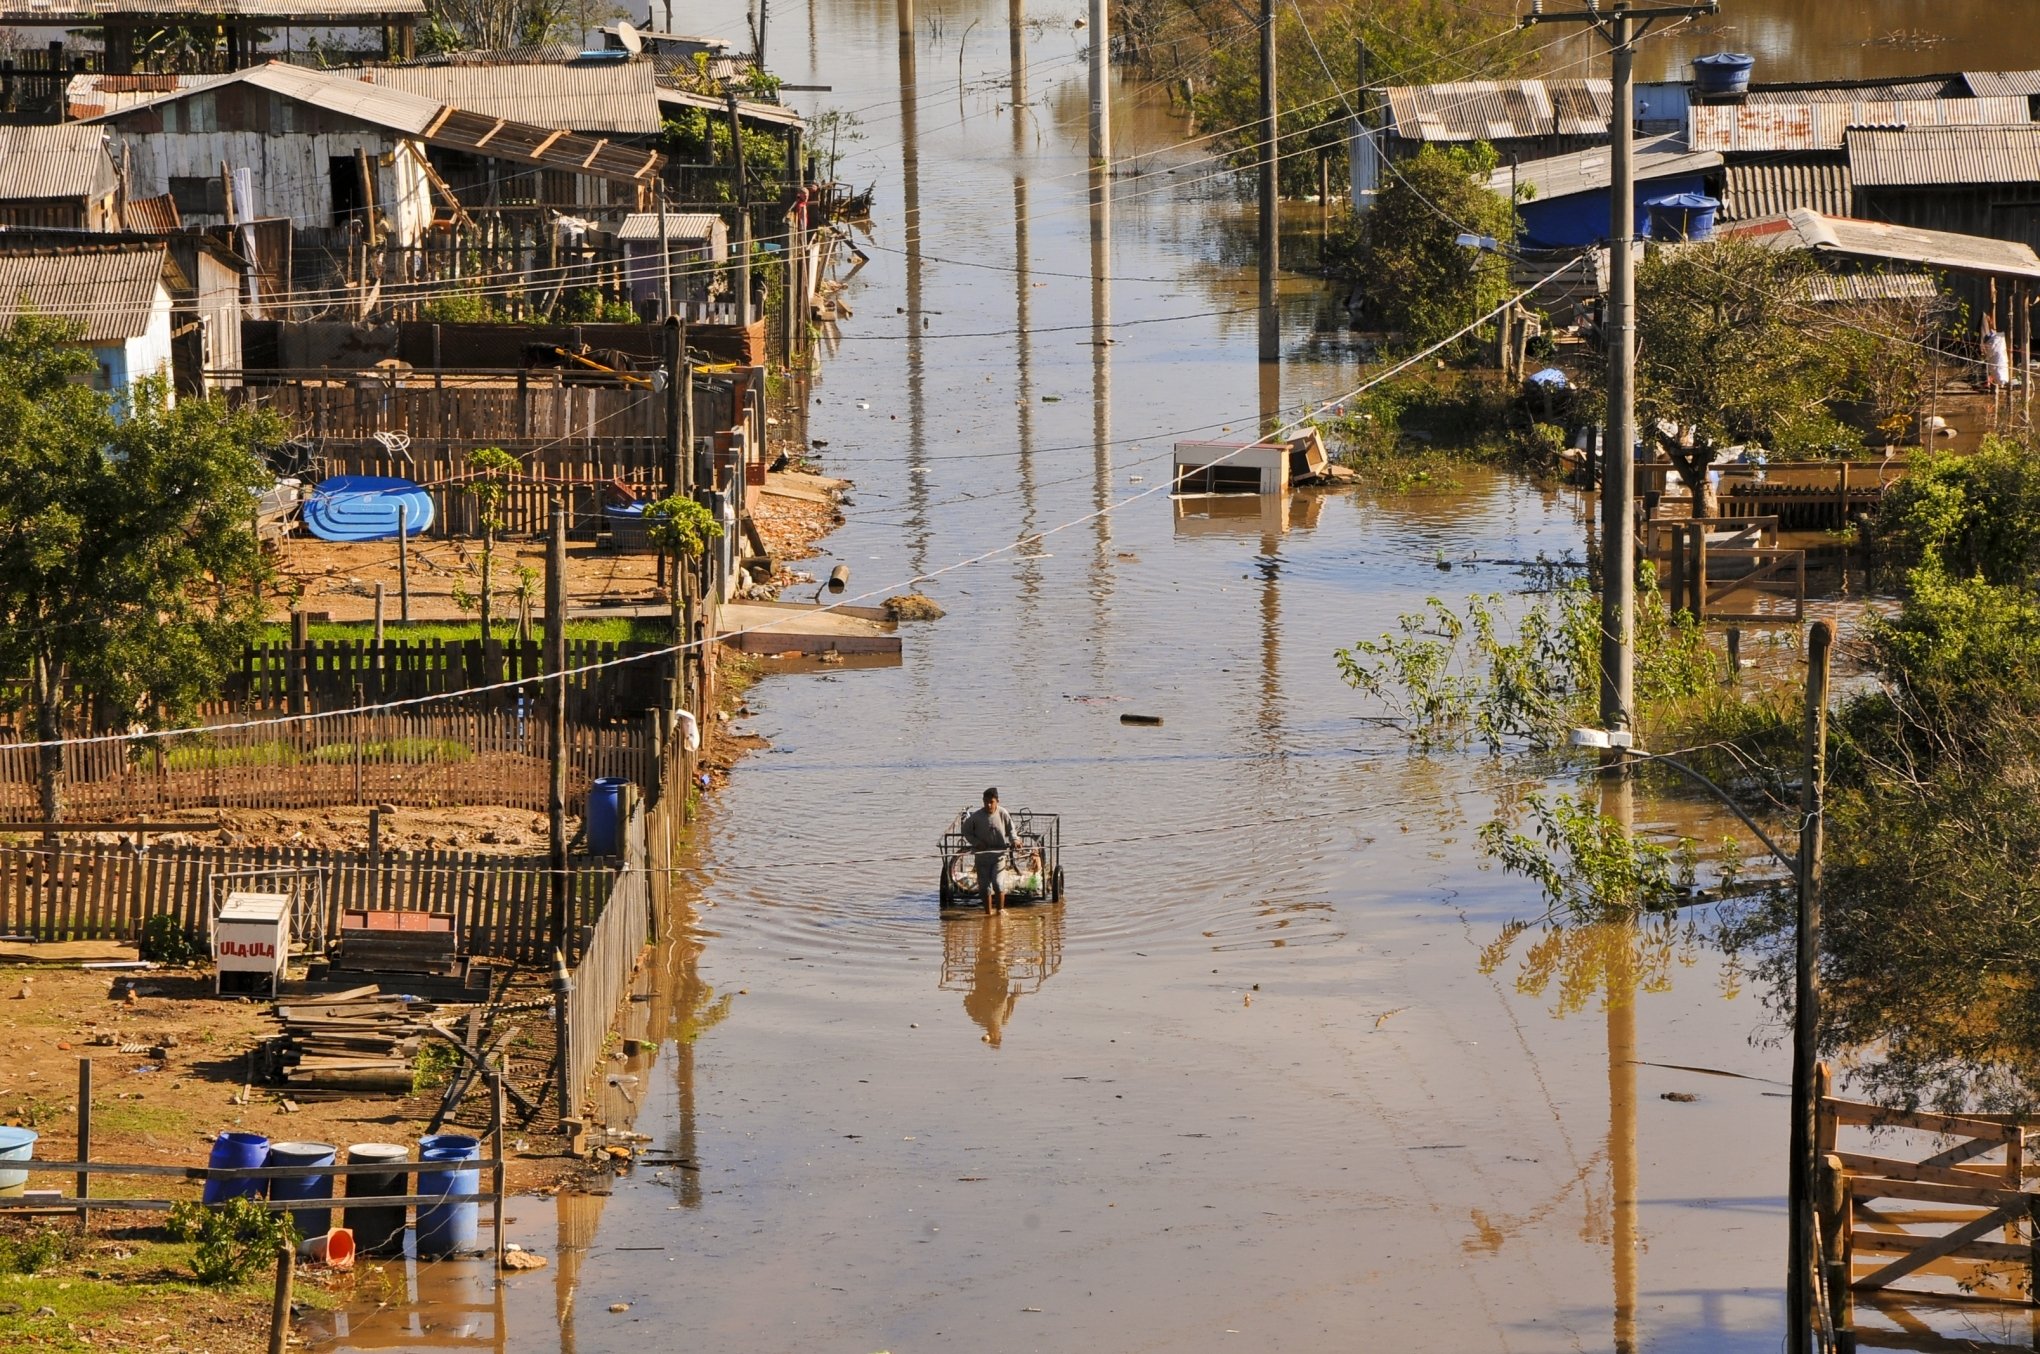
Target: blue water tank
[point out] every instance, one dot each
(447, 1228)
(605, 816)
(1682, 216)
(1722, 73)
(310, 1222)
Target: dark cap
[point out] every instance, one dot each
(991, 794)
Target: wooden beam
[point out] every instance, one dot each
(1878, 1116)
(438, 120)
(546, 144)
(1934, 1192)
(483, 140)
(1888, 1168)
(1907, 1243)
(601, 144)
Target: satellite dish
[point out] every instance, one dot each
(627, 34)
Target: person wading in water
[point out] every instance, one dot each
(991, 834)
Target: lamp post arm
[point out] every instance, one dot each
(1790, 862)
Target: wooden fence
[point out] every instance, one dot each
(581, 473)
(608, 958)
(508, 404)
(339, 674)
(422, 760)
(501, 905)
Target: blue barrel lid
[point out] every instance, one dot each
(1730, 60)
(1690, 202)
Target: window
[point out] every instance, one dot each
(198, 196)
(345, 174)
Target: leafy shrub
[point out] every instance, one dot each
(231, 1240)
(164, 940)
(32, 1252)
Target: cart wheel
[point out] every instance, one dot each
(1055, 885)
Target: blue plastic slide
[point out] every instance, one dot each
(364, 508)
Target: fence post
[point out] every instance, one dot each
(84, 1183)
(1834, 1247)
(279, 1311)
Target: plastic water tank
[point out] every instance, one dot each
(447, 1228)
(1722, 73)
(310, 1221)
(605, 816)
(378, 1228)
(16, 1144)
(1682, 216)
(236, 1152)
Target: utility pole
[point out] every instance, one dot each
(743, 215)
(1101, 83)
(556, 739)
(1271, 239)
(1801, 1290)
(1621, 26)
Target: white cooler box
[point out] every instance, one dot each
(251, 943)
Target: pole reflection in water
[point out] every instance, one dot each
(1101, 405)
(996, 958)
(1618, 803)
(1023, 318)
(917, 524)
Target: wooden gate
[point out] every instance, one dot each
(1956, 1196)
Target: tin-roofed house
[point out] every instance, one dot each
(345, 165)
(119, 294)
(61, 177)
(1521, 119)
(697, 244)
(1564, 201)
(1964, 180)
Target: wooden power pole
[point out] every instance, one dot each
(556, 741)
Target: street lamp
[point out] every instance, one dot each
(1802, 1288)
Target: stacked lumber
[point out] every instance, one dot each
(357, 1042)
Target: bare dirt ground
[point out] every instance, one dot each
(339, 578)
(484, 831)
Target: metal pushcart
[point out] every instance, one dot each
(1030, 871)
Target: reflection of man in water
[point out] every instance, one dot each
(989, 832)
(993, 994)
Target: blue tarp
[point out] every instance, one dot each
(364, 508)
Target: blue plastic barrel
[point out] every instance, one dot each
(310, 1221)
(605, 816)
(447, 1229)
(16, 1144)
(1682, 216)
(378, 1228)
(236, 1152)
(1722, 73)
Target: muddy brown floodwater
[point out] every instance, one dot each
(1259, 1084)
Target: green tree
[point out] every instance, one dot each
(129, 564)
(1729, 349)
(494, 469)
(1975, 516)
(1419, 280)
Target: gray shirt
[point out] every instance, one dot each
(989, 829)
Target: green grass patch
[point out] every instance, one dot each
(199, 756)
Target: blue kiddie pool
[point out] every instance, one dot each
(366, 508)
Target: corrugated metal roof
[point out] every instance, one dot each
(1829, 288)
(1768, 189)
(110, 289)
(687, 227)
(151, 215)
(775, 114)
(1927, 156)
(90, 96)
(1853, 91)
(294, 11)
(68, 161)
(1585, 171)
(1748, 128)
(1984, 84)
(1804, 229)
(434, 122)
(1494, 110)
(617, 98)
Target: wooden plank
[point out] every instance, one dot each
(1927, 1191)
(1878, 1116)
(1890, 1168)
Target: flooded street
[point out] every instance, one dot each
(1252, 1086)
